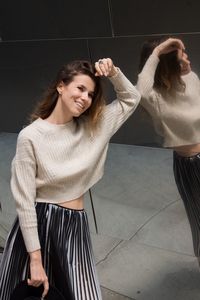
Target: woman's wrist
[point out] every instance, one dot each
(113, 72)
(35, 255)
(156, 51)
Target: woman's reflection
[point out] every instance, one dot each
(171, 94)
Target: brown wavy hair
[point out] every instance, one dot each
(66, 75)
(168, 73)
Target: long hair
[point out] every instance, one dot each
(168, 73)
(66, 75)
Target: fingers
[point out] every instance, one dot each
(38, 275)
(170, 45)
(34, 283)
(103, 67)
(37, 283)
(46, 288)
(176, 44)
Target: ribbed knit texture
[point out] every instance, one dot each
(58, 163)
(175, 118)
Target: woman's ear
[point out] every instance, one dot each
(60, 88)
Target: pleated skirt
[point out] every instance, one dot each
(187, 177)
(66, 251)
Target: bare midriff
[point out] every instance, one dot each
(188, 150)
(73, 204)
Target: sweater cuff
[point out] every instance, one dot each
(155, 58)
(116, 79)
(31, 240)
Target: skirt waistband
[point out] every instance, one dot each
(46, 204)
(179, 156)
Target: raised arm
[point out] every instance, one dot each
(127, 96)
(145, 81)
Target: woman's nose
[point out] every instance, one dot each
(85, 96)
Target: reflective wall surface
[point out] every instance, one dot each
(38, 37)
(144, 246)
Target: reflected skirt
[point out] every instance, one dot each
(187, 177)
(66, 251)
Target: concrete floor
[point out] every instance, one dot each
(143, 248)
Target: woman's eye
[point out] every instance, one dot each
(80, 88)
(91, 96)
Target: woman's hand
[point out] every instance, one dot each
(169, 45)
(37, 272)
(105, 67)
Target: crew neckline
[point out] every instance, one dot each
(55, 126)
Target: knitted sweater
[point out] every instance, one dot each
(57, 163)
(176, 118)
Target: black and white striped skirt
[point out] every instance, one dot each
(187, 177)
(66, 251)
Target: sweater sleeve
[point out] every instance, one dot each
(146, 77)
(23, 174)
(128, 97)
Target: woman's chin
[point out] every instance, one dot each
(77, 114)
(186, 71)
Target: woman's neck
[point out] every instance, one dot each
(59, 115)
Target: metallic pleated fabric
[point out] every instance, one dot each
(66, 251)
(187, 177)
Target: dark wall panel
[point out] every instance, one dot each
(111, 28)
(192, 43)
(125, 51)
(132, 17)
(25, 71)
(48, 19)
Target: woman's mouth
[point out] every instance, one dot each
(80, 104)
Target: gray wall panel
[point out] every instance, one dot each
(25, 71)
(25, 20)
(133, 17)
(26, 67)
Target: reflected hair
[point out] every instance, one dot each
(66, 75)
(168, 73)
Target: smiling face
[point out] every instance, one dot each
(184, 62)
(76, 97)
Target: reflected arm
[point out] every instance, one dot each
(145, 81)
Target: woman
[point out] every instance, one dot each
(171, 94)
(59, 156)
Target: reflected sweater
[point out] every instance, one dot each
(176, 118)
(57, 163)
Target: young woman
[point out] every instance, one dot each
(59, 156)
(171, 94)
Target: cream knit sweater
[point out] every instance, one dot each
(57, 163)
(176, 118)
